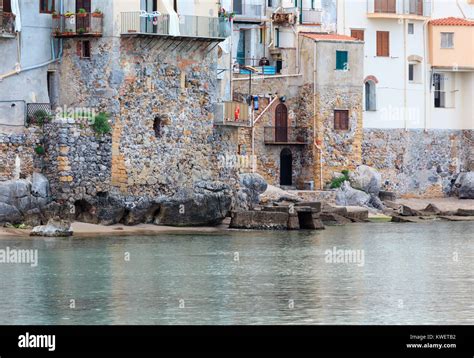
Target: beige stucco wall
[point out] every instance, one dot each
(462, 55)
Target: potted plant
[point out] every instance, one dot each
(55, 15)
(97, 13)
(81, 31)
(69, 14)
(82, 12)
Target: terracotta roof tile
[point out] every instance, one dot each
(452, 21)
(328, 37)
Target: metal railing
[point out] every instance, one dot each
(38, 113)
(286, 135)
(186, 26)
(87, 24)
(311, 16)
(400, 7)
(246, 10)
(232, 113)
(7, 23)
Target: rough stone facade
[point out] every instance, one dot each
(311, 99)
(161, 105)
(418, 162)
(17, 154)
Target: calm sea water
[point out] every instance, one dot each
(412, 274)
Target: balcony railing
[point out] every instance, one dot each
(186, 26)
(38, 113)
(232, 113)
(399, 7)
(71, 25)
(244, 10)
(286, 135)
(311, 16)
(7, 24)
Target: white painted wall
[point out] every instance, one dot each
(401, 104)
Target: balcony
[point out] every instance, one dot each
(286, 135)
(247, 12)
(74, 25)
(7, 25)
(409, 9)
(234, 114)
(311, 16)
(197, 27)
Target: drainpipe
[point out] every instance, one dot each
(425, 71)
(405, 80)
(19, 69)
(320, 149)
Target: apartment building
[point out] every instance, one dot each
(28, 52)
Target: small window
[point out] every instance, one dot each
(341, 120)
(46, 6)
(370, 99)
(358, 34)
(262, 34)
(447, 40)
(411, 72)
(411, 29)
(342, 60)
(157, 124)
(383, 43)
(85, 49)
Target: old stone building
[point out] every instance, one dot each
(308, 125)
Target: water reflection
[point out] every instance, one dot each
(410, 276)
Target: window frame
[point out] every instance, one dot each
(358, 31)
(412, 26)
(337, 120)
(345, 66)
(442, 42)
(380, 50)
(45, 2)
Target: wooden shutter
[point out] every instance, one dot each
(341, 120)
(358, 34)
(383, 43)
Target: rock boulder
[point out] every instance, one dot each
(465, 185)
(366, 179)
(208, 203)
(54, 228)
(348, 196)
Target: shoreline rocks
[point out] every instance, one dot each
(54, 228)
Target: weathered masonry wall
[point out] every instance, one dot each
(161, 105)
(418, 162)
(17, 154)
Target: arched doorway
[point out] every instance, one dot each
(281, 123)
(286, 167)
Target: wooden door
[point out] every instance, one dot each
(281, 124)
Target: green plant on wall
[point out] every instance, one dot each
(101, 124)
(82, 11)
(337, 182)
(41, 117)
(39, 149)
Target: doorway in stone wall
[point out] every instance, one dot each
(286, 167)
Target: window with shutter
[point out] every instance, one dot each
(342, 60)
(358, 34)
(341, 120)
(383, 43)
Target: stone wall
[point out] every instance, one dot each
(341, 149)
(17, 154)
(418, 162)
(161, 105)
